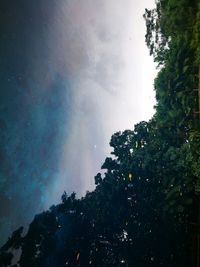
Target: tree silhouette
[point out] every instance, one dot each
(139, 213)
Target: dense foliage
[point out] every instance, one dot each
(140, 211)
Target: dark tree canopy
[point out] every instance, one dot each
(146, 193)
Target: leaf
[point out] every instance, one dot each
(185, 68)
(173, 191)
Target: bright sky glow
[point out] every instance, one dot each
(101, 47)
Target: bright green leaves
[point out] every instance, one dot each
(168, 22)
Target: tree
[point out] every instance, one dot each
(139, 212)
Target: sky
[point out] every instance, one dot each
(72, 73)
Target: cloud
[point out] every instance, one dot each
(74, 72)
(100, 45)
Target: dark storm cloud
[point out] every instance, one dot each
(35, 112)
(69, 78)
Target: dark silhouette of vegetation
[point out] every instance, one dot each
(140, 211)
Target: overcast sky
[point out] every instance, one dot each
(72, 73)
(112, 77)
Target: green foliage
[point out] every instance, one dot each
(169, 21)
(195, 41)
(139, 212)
